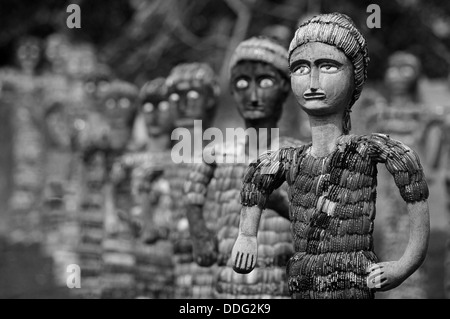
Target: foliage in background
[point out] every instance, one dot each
(142, 39)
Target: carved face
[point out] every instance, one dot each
(322, 78)
(401, 77)
(56, 52)
(58, 127)
(158, 115)
(28, 54)
(81, 61)
(119, 111)
(191, 102)
(259, 90)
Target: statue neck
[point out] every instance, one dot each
(324, 133)
(264, 134)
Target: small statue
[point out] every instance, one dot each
(259, 82)
(119, 106)
(193, 92)
(25, 95)
(150, 217)
(404, 117)
(332, 180)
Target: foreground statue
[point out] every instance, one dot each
(332, 181)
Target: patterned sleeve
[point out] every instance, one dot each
(404, 165)
(262, 177)
(197, 183)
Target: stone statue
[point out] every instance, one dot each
(259, 83)
(119, 106)
(193, 92)
(332, 180)
(145, 194)
(24, 96)
(404, 117)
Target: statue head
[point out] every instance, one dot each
(193, 92)
(81, 60)
(97, 80)
(57, 127)
(328, 59)
(118, 105)
(156, 109)
(57, 49)
(28, 53)
(403, 73)
(259, 79)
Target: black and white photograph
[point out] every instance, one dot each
(235, 151)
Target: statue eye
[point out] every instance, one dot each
(302, 70)
(110, 104)
(124, 103)
(328, 68)
(163, 106)
(266, 83)
(242, 84)
(193, 95)
(148, 107)
(174, 97)
(79, 124)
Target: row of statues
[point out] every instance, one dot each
(297, 221)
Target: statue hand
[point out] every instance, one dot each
(244, 254)
(205, 250)
(385, 276)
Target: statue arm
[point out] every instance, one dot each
(261, 179)
(204, 241)
(388, 275)
(404, 164)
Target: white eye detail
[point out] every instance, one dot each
(328, 68)
(110, 104)
(266, 83)
(174, 97)
(193, 95)
(148, 107)
(163, 106)
(302, 70)
(124, 103)
(242, 84)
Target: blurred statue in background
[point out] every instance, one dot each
(29, 54)
(404, 118)
(24, 96)
(332, 180)
(193, 92)
(145, 193)
(259, 83)
(89, 177)
(119, 106)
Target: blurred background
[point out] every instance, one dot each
(138, 40)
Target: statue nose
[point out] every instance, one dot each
(314, 85)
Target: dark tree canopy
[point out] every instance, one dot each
(143, 39)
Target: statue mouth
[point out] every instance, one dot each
(319, 95)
